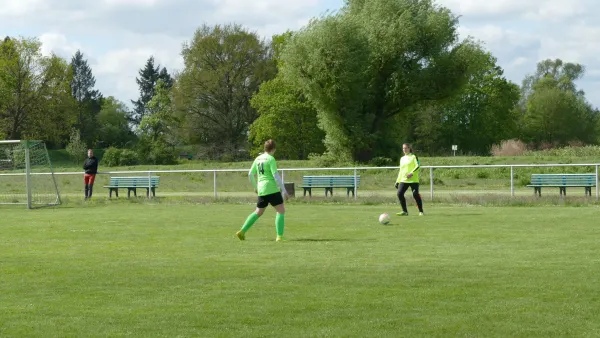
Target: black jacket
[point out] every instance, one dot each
(91, 165)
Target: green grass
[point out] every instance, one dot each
(175, 270)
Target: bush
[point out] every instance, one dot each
(483, 174)
(128, 157)
(162, 154)
(382, 162)
(509, 148)
(111, 157)
(114, 157)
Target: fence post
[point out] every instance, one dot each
(596, 182)
(512, 181)
(355, 188)
(215, 183)
(431, 182)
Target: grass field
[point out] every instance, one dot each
(124, 269)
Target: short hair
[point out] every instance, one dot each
(269, 145)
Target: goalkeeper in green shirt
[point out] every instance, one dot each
(409, 177)
(270, 189)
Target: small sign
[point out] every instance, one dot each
(454, 147)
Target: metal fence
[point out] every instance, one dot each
(223, 176)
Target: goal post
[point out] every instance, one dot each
(26, 174)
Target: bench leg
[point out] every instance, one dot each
(588, 191)
(153, 192)
(129, 190)
(350, 190)
(309, 192)
(537, 191)
(563, 191)
(330, 191)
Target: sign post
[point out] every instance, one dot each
(454, 148)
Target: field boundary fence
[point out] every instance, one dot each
(430, 170)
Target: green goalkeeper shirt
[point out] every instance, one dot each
(266, 168)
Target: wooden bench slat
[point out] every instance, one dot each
(131, 183)
(328, 182)
(562, 181)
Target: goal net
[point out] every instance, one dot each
(26, 174)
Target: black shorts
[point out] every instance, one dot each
(273, 199)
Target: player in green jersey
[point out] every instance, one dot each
(409, 177)
(270, 189)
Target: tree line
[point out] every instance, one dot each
(349, 86)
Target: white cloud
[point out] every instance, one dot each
(20, 7)
(59, 44)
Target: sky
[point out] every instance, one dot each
(118, 36)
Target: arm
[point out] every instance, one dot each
(278, 178)
(417, 166)
(252, 176)
(280, 182)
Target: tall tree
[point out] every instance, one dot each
(89, 100)
(35, 92)
(224, 67)
(148, 77)
(374, 60)
(113, 130)
(481, 115)
(285, 115)
(553, 109)
(158, 130)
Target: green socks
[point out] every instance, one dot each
(279, 223)
(253, 217)
(250, 221)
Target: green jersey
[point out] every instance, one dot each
(409, 164)
(266, 168)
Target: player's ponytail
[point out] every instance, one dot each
(269, 146)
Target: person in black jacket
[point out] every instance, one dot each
(90, 165)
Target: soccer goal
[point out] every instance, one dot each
(26, 174)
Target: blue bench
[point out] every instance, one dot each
(329, 183)
(132, 183)
(562, 182)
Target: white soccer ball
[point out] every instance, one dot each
(384, 218)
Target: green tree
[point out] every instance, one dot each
(553, 109)
(481, 115)
(89, 100)
(113, 125)
(224, 67)
(34, 90)
(375, 60)
(285, 115)
(76, 147)
(158, 129)
(148, 77)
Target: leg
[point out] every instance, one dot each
(277, 203)
(92, 180)
(417, 196)
(401, 191)
(86, 182)
(261, 205)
